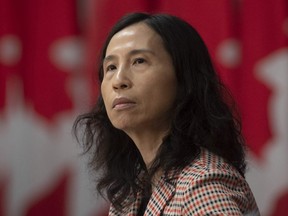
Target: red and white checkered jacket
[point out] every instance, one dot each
(208, 186)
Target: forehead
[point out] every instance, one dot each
(136, 36)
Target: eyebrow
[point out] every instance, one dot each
(132, 52)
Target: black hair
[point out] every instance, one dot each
(204, 116)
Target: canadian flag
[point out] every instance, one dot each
(42, 89)
(264, 100)
(47, 77)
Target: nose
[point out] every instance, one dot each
(122, 79)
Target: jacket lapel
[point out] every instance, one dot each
(160, 197)
(162, 194)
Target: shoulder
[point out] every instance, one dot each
(210, 184)
(208, 163)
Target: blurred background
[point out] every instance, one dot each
(48, 53)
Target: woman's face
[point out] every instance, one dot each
(139, 84)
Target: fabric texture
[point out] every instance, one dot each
(208, 186)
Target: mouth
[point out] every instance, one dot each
(122, 103)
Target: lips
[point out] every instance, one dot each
(122, 103)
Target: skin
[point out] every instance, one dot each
(139, 87)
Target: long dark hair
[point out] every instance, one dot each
(204, 116)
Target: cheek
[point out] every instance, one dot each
(162, 95)
(103, 89)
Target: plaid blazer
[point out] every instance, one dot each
(208, 186)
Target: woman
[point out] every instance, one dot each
(162, 132)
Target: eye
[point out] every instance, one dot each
(139, 61)
(110, 67)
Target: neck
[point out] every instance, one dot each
(148, 143)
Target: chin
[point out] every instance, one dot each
(121, 125)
